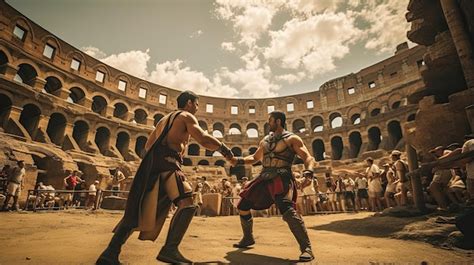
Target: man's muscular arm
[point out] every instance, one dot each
(208, 141)
(300, 149)
(250, 159)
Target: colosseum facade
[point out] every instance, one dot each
(61, 109)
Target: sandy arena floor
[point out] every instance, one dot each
(78, 237)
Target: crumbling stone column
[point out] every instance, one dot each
(457, 28)
(9, 70)
(38, 84)
(415, 179)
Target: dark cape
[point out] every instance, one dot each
(147, 205)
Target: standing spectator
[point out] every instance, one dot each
(70, 183)
(390, 190)
(349, 193)
(400, 169)
(362, 195)
(309, 191)
(15, 185)
(340, 194)
(91, 196)
(4, 174)
(375, 185)
(226, 192)
(197, 198)
(206, 187)
(117, 179)
(439, 185)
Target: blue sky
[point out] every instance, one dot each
(239, 48)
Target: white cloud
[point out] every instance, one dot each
(132, 62)
(313, 43)
(228, 46)
(387, 23)
(94, 52)
(312, 6)
(254, 83)
(291, 78)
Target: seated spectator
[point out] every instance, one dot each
(456, 187)
(439, 185)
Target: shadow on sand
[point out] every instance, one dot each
(239, 256)
(374, 226)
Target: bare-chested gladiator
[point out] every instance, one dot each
(276, 183)
(159, 181)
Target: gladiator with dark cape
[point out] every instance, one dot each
(276, 183)
(160, 181)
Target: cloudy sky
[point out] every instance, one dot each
(229, 48)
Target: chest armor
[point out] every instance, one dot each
(276, 151)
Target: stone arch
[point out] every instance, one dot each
(5, 55)
(80, 133)
(99, 104)
(123, 143)
(125, 78)
(353, 110)
(187, 162)
(102, 140)
(355, 143)
(269, 102)
(29, 118)
(249, 103)
(209, 153)
(375, 112)
(203, 125)
(411, 116)
(56, 128)
(156, 118)
(140, 146)
(395, 133)
(373, 105)
(53, 85)
(5, 109)
(194, 150)
(140, 116)
(266, 128)
(335, 119)
(23, 22)
(235, 128)
(120, 110)
(53, 41)
(237, 151)
(26, 74)
(318, 149)
(218, 130)
(104, 69)
(76, 95)
(203, 162)
(337, 147)
(252, 130)
(355, 119)
(252, 150)
(299, 126)
(374, 135)
(317, 124)
(393, 99)
(3, 61)
(220, 163)
(75, 54)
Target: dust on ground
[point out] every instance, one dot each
(78, 237)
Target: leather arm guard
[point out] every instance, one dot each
(308, 174)
(225, 151)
